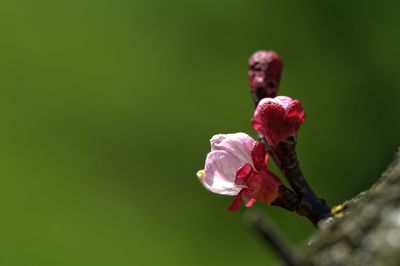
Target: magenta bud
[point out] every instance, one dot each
(265, 68)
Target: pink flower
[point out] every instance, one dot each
(278, 118)
(265, 68)
(236, 166)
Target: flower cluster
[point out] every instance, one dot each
(238, 165)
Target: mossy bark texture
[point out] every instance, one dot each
(369, 231)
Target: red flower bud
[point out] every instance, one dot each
(265, 68)
(278, 118)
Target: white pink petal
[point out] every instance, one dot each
(229, 152)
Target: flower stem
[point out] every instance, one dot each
(287, 199)
(310, 205)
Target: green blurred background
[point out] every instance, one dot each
(107, 107)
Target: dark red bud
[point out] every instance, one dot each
(265, 68)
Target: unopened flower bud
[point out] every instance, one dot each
(265, 68)
(278, 118)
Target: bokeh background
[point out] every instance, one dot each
(106, 109)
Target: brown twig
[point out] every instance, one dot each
(263, 228)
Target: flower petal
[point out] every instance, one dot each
(220, 173)
(243, 174)
(269, 119)
(259, 156)
(238, 144)
(295, 114)
(236, 202)
(283, 101)
(248, 201)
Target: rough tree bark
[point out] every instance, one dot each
(369, 231)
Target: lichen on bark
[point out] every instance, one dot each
(369, 231)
